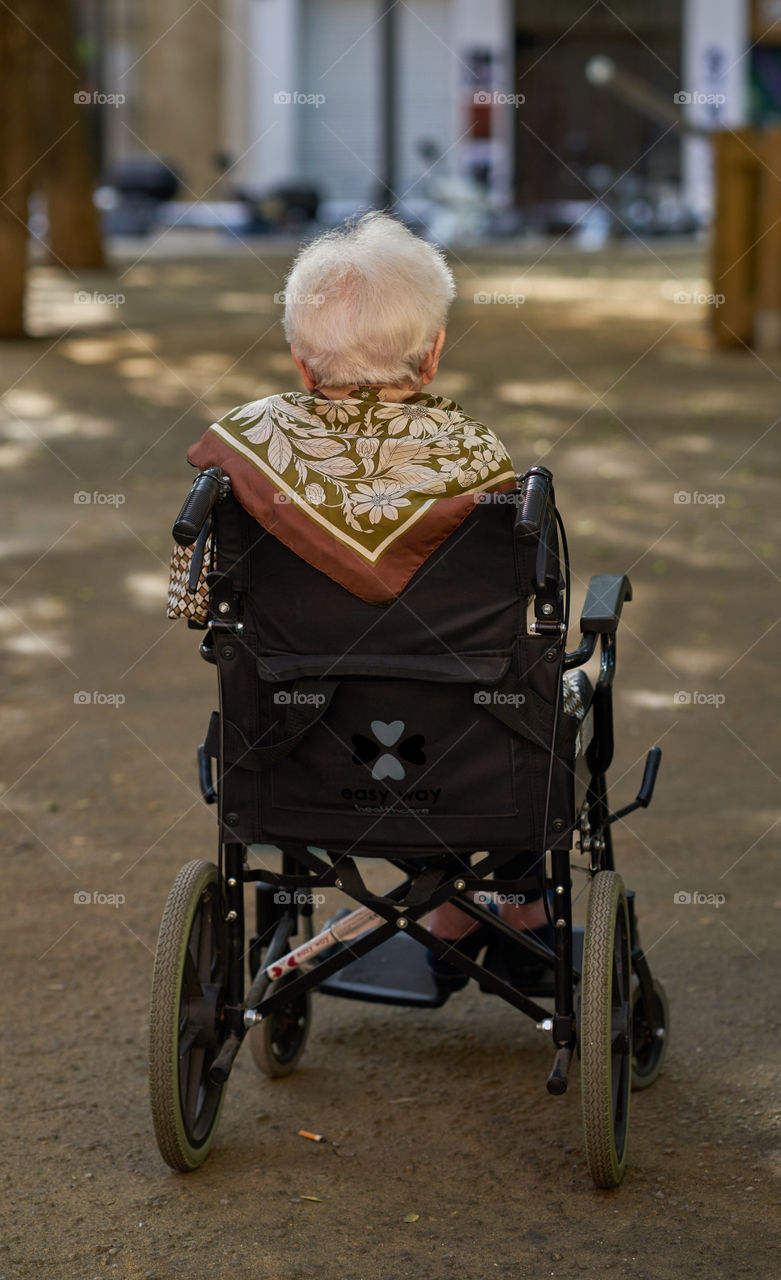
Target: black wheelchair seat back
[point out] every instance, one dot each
(417, 727)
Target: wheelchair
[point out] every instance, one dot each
(449, 733)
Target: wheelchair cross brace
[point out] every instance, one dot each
(400, 909)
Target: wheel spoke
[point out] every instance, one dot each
(194, 1086)
(191, 986)
(206, 946)
(187, 1040)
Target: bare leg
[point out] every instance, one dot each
(530, 915)
(451, 923)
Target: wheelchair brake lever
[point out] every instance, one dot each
(645, 794)
(205, 776)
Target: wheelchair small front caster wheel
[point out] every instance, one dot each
(278, 1042)
(650, 1033)
(185, 1032)
(606, 1029)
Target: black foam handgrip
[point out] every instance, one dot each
(196, 506)
(652, 762)
(535, 491)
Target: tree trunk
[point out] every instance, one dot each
(65, 170)
(17, 154)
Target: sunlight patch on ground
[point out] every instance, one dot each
(102, 350)
(710, 662)
(16, 455)
(46, 420)
(562, 391)
(29, 630)
(249, 302)
(648, 699)
(148, 590)
(36, 404)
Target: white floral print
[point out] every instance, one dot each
(363, 464)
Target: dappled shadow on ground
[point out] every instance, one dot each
(665, 463)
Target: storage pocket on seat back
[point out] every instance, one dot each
(394, 747)
(408, 752)
(418, 744)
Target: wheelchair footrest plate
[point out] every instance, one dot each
(396, 972)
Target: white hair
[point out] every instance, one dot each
(364, 303)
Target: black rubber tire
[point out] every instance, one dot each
(185, 1105)
(278, 1042)
(605, 1030)
(649, 1047)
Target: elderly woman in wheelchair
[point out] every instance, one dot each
(387, 605)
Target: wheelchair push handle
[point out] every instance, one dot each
(535, 491)
(206, 489)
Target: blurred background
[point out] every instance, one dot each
(605, 179)
(507, 121)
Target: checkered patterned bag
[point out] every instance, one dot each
(188, 594)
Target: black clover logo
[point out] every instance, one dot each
(388, 735)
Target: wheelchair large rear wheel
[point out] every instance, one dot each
(606, 1029)
(650, 1033)
(185, 1034)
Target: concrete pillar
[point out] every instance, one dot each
(486, 27)
(178, 74)
(714, 86)
(273, 62)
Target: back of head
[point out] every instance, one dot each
(365, 302)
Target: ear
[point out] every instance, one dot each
(307, 377)
(430, 362)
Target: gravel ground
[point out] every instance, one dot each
(441, 1114)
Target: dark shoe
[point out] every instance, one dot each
(518, 967)
(447, 976)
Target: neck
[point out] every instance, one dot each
(383, 392)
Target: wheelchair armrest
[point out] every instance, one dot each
(604, 602)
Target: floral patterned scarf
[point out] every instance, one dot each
(363, 489)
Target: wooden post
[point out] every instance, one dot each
(735, 235)
(767, 321)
